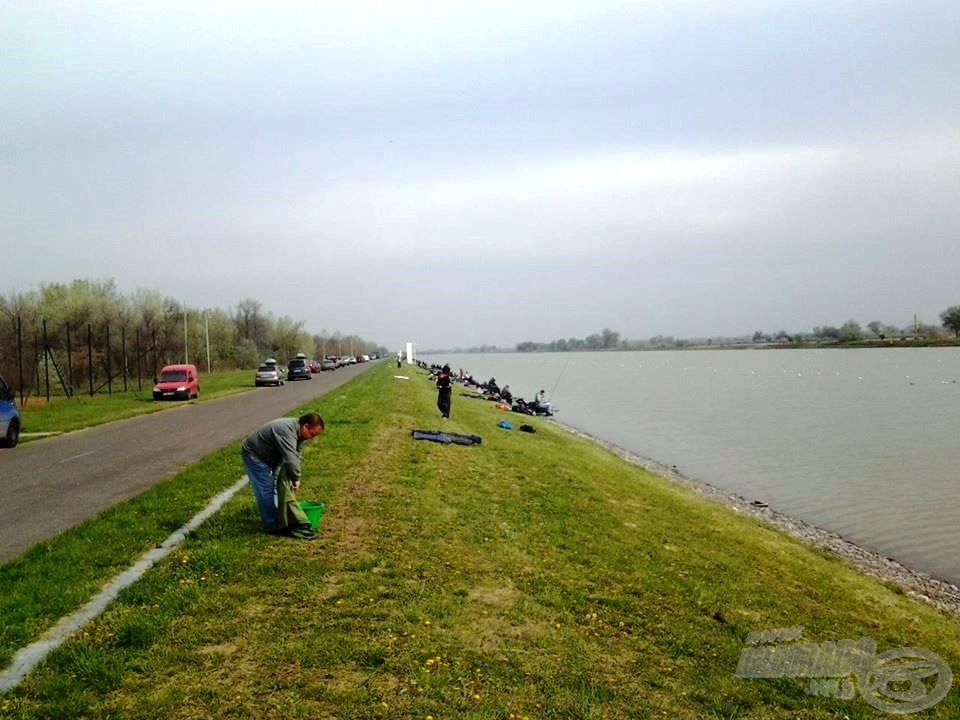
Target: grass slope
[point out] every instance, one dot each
(533, 575)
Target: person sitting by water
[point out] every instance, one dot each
(540, 403)
(506, 395)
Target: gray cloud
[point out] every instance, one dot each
(491, 173)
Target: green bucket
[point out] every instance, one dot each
(313, 511)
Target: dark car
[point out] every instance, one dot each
(298, 369)
(9, 416)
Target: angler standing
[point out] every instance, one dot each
(444, 392)
(271, 455)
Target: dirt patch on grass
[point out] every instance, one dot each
(351, 535)
(490, 633)
(224, 649)
(344, 679)
(254, 610)
(331, 588)
(496, 595)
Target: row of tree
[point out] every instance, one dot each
(167, 330)
(606, 339)
(850, 332)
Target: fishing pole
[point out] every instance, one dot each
(554, 389)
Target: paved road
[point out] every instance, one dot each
(50, 485)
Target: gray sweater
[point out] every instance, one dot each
(277, 443)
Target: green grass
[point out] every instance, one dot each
(65, 414)
(534, 575)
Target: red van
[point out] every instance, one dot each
(177, 382)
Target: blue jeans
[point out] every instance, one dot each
(263, 481)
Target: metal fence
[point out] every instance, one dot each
(68, 360)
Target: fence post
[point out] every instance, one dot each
(139, 374)
(123, 354)
(36, 360)
(90, 356)
(46, 363)
(20, 357)
(109, 368)
(69, 362)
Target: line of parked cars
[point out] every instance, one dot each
(299, 368)
(182, 382)
(332, 362)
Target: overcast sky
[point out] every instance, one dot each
(490, 172)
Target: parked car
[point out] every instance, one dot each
(329, 364)
(9, 416)
(177, 382)
(298, 369)
(314, 366)
(268, 375)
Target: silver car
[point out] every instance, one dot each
(269, 375)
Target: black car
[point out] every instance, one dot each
(298, 369)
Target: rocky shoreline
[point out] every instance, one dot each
(939, 593)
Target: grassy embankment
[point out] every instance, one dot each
(533, 575)
(63, 414)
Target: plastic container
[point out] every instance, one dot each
(313, 511)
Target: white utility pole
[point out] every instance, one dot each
(206, 330)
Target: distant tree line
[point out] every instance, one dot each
(606, 339)
(849, 332)
(95, 311)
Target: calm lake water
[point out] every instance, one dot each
(862, 442)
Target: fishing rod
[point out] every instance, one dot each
(554, 389)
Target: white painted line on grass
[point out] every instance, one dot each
(29, 657)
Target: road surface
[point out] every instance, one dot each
(50, 485)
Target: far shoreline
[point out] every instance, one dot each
(866, 345)
(939, 592)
